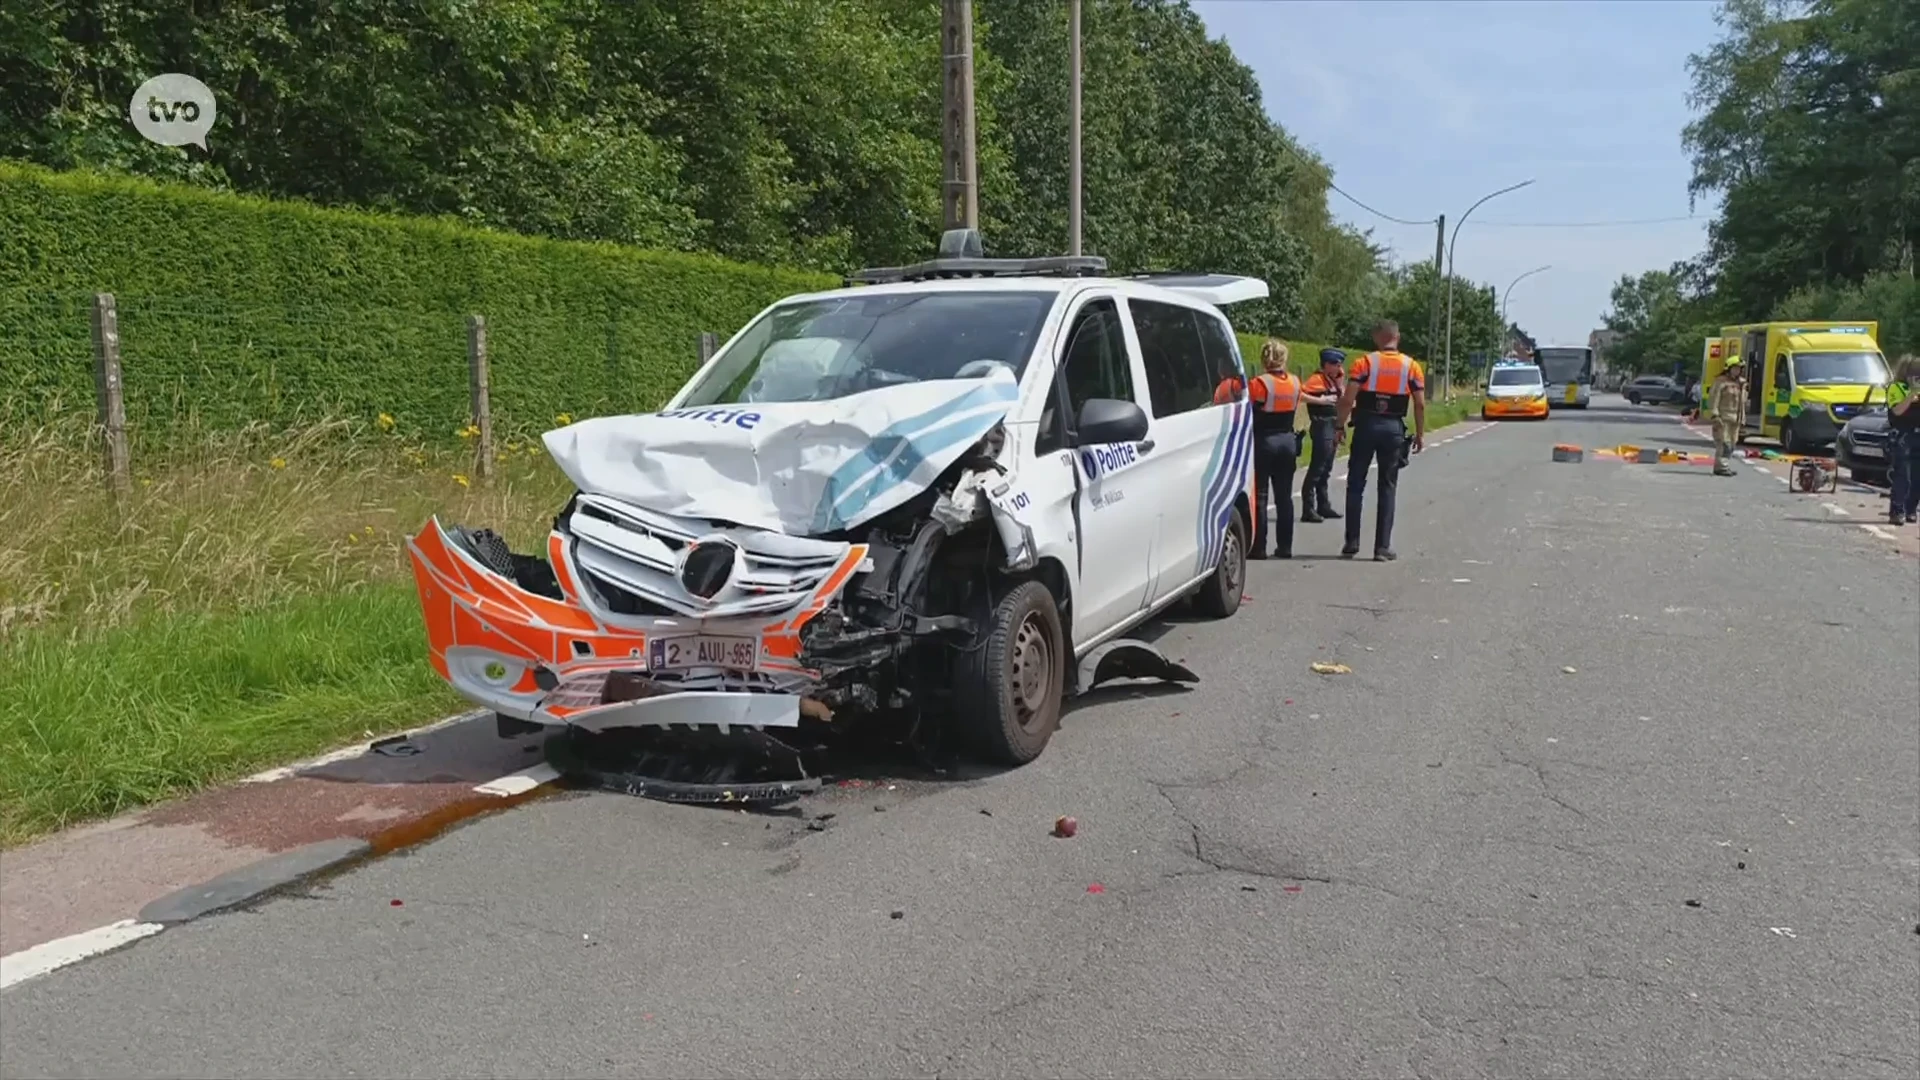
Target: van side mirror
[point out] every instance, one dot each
(1110, 420)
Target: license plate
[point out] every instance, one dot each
(681, 651)
(1863, 450)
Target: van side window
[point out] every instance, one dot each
(1179, 378)
(1223, 357)
(1094, 364)
(1782, 378)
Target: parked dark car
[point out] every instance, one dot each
(1654, 390)
(1861, 447)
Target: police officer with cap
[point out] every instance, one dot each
(1322, 395)
(1381, 386)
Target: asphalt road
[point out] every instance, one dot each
(1697, 853)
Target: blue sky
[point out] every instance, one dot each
(1423, 107)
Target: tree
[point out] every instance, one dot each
(1408, 301)
(1810, 133)
(1663, 318)
(797, 132)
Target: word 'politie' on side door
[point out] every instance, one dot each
(1116, 523)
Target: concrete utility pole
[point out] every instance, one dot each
(1433, 305)
(1453, 250)
(960, 195)
(1073, 131)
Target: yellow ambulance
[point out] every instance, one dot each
(1804, 379)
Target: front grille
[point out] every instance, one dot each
(633, 560)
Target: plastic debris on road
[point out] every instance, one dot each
(1064, 827)
(1321, 667)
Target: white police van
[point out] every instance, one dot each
(952, 487)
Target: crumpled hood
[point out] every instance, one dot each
(801, 468)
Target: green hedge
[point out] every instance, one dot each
(235, 310)
(243, 310)
(1303, 357)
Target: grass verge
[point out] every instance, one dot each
(248, 604)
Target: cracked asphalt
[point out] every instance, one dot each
(1695, 853)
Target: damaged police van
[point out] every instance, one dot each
(946, 490)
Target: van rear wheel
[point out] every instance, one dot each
(1008, 688)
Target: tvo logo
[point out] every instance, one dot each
(1099, 461)
(173, 110)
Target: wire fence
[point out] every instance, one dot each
(153, 368)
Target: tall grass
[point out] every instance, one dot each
(247, 601)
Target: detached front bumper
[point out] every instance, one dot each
(569, 659)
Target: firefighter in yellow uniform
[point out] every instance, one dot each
(1727, 397)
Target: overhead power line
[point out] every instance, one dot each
(1384, 216)
(1375, 213)
(1587, 224)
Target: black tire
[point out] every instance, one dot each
(1219, 595)
(1789, 442)
(1483, 414)
(1633, 399)
(1008, 689)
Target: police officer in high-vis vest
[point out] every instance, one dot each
(1322, 395)
(1381, 386)
(1275, 394)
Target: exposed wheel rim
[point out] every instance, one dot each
(1032, 670)
(1232, 562)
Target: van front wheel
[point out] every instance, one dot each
(1008, 688)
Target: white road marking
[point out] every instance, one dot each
(519, 783)
(348, 753)
(53, 955)
(1879, 531)
(345, 753)
(1837, 509)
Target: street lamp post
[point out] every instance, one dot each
(1504, 297)
(1452, 250)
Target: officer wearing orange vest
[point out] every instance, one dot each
(1380, 387)
(1322, 395)
(1275, 394)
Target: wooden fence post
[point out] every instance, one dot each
(108, 392)
(709, 344)
(477, 386)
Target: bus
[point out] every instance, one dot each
(1568, 370)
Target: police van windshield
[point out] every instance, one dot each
(819, 350)
(1516, 376)
(1838, 368)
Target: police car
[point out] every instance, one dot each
(1515, 388)
(951, 487)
